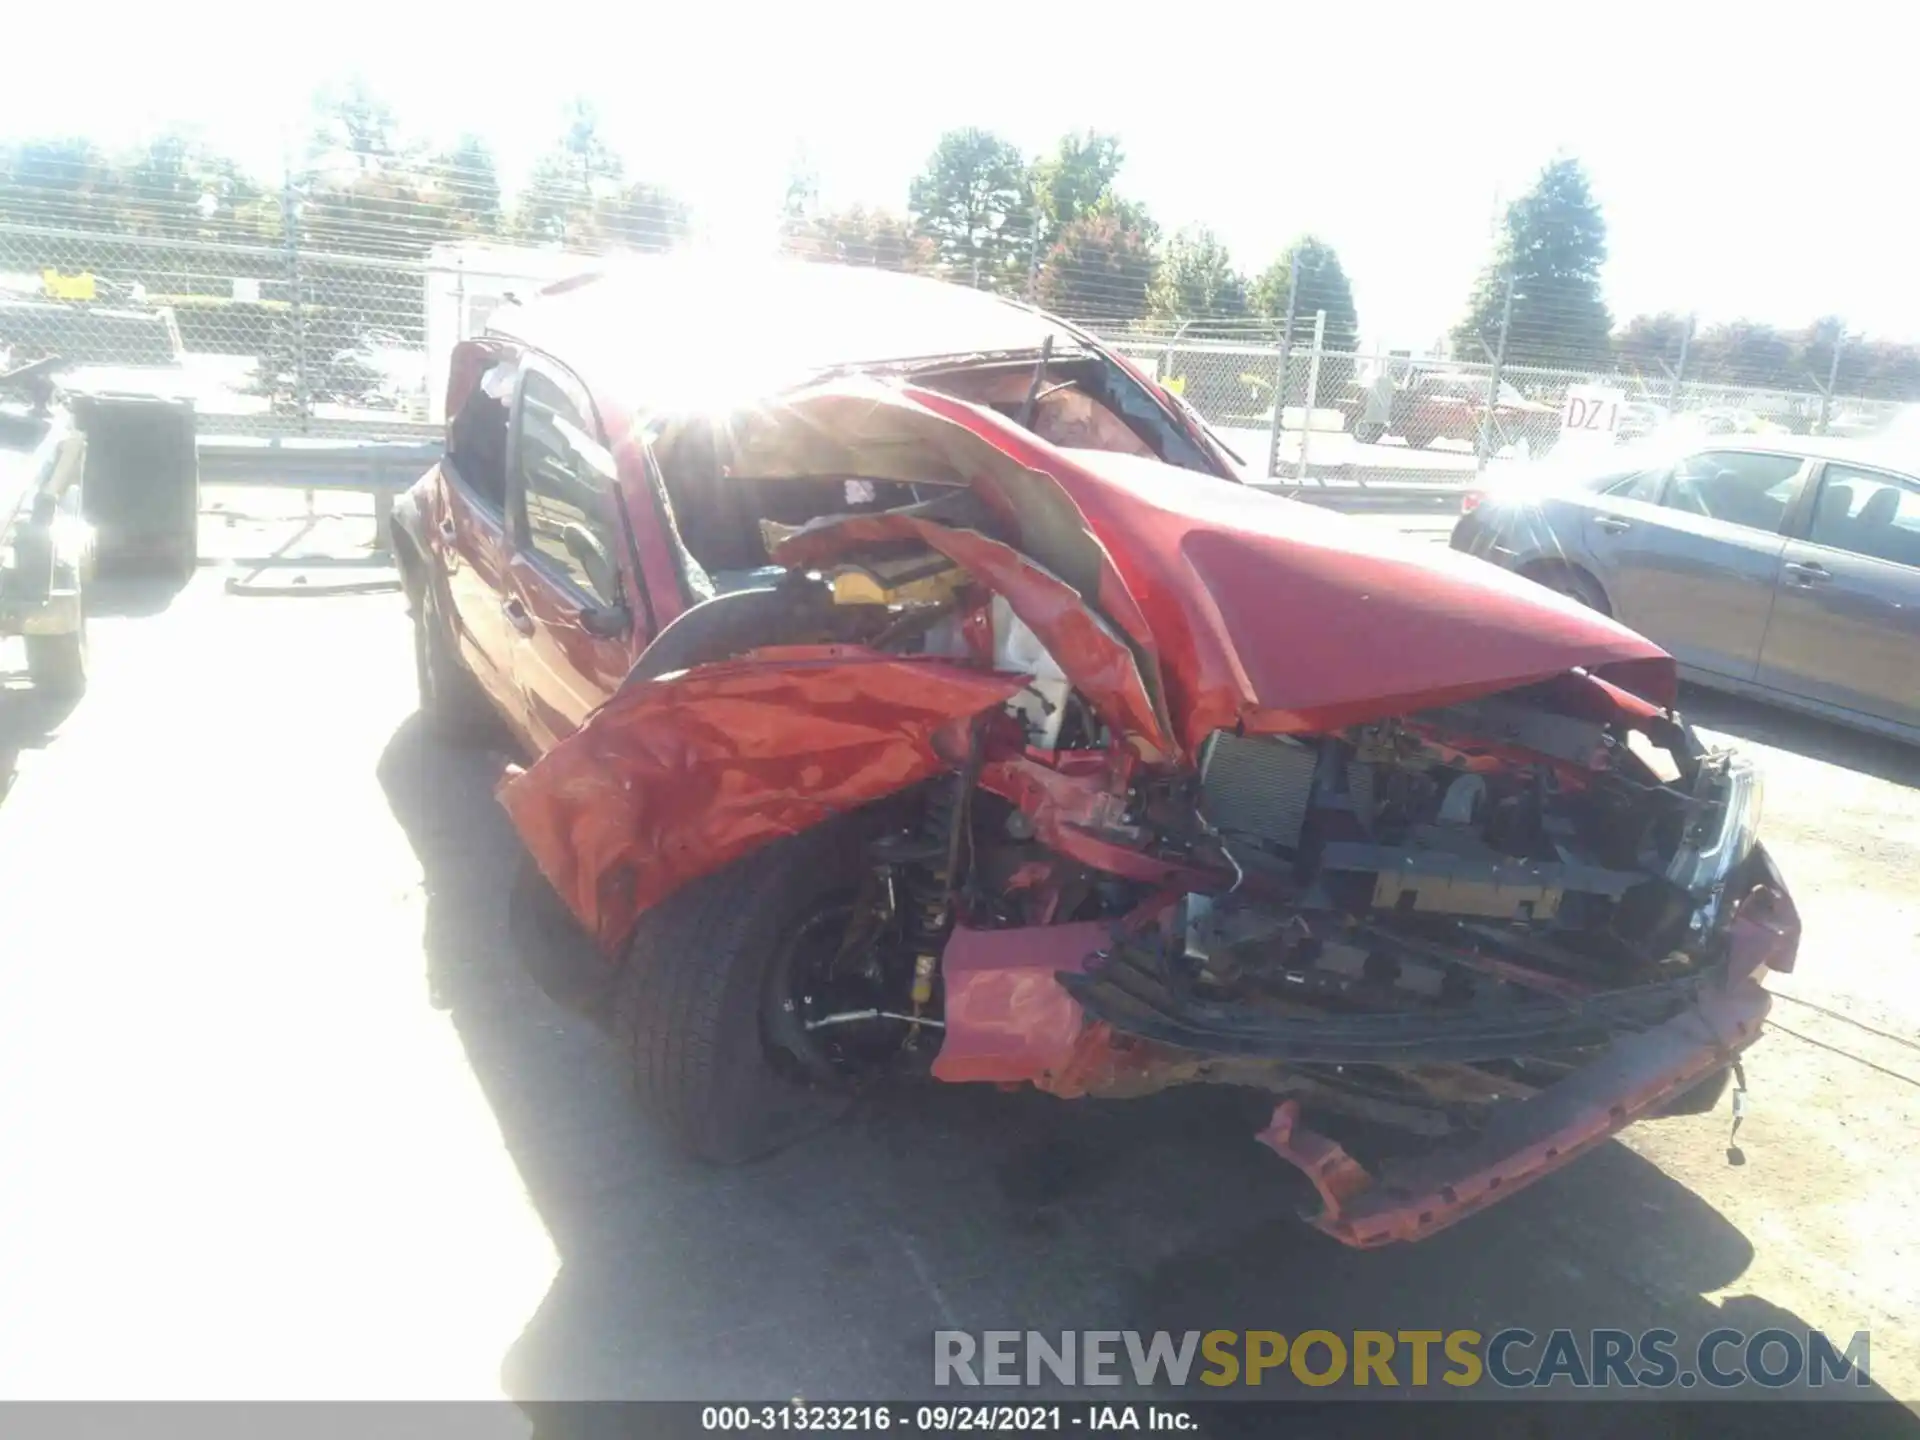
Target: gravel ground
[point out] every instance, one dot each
(285, 1119)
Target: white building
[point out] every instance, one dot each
(465, 284)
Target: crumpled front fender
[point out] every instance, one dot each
(674, 778)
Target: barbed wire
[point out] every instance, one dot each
(284, 279)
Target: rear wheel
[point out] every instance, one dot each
(720, 979)
(1369, 432)
(57, 664)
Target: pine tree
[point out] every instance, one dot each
(1553, 242)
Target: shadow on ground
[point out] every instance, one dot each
(824, 1270)
(133, 594)
(1761, 724)
(28, 721)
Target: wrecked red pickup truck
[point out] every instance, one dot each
(910, 686)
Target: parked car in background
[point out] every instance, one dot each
(1729, 420)
(908, 686)
(1450, 406)
(379, 371)
(1641, 419)
(1784, 568)
(85, 334)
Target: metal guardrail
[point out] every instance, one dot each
(382, 469)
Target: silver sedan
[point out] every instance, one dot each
(1780, 567)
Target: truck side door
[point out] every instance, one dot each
(568, 601)
(467, 530)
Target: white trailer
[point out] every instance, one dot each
(465, 284)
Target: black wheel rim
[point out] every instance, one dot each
(822, 969)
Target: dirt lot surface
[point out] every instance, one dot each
(284, 1118)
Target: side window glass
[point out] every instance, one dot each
(1870, 513)
(1644, 486)
(1738, 487)
(477, 438)
(567, 478)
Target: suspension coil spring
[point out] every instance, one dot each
(928, 886)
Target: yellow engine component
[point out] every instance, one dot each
(925, 578)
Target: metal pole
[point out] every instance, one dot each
(290, 226)
(1680, 370)
(1313, 389)
(1164, 362)
(1280, 370)
(1493, 382)
(1833, 379)
(1033, 261)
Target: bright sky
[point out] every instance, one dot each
(1742, 155)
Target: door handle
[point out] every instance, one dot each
(1807, 572)
(1612, 524)
(518, 617)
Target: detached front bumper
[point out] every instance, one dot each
(1635, 1077)
(1009, 1021)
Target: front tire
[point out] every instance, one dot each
(57, 664)
(705, 1005)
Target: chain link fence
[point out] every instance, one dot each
(289, 338)
(1394, 412)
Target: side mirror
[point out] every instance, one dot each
(611, 618)
(602, 574)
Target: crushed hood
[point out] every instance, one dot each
(1279, 616)
(1243, 609)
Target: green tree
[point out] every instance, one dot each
(1746, 352)
(1199, 292)
(350, 119)
(803, 187)
(1323, 285)
(469, 177)
(63, 181)
(859, 236)
(1098, 269)
(1814, 353)
(392, 211)
(553, 203)
(1553, 242)
(973, 202)
(178, 186)
(1071, 181)
(1648, 345)
(642, 216)
(1198, 286)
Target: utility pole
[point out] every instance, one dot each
(1313, 388)
(1680, 370)
(1833, 379)
(1493, 382)
(290, 231)
(1280, 370)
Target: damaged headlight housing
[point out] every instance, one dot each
(1724, 838)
